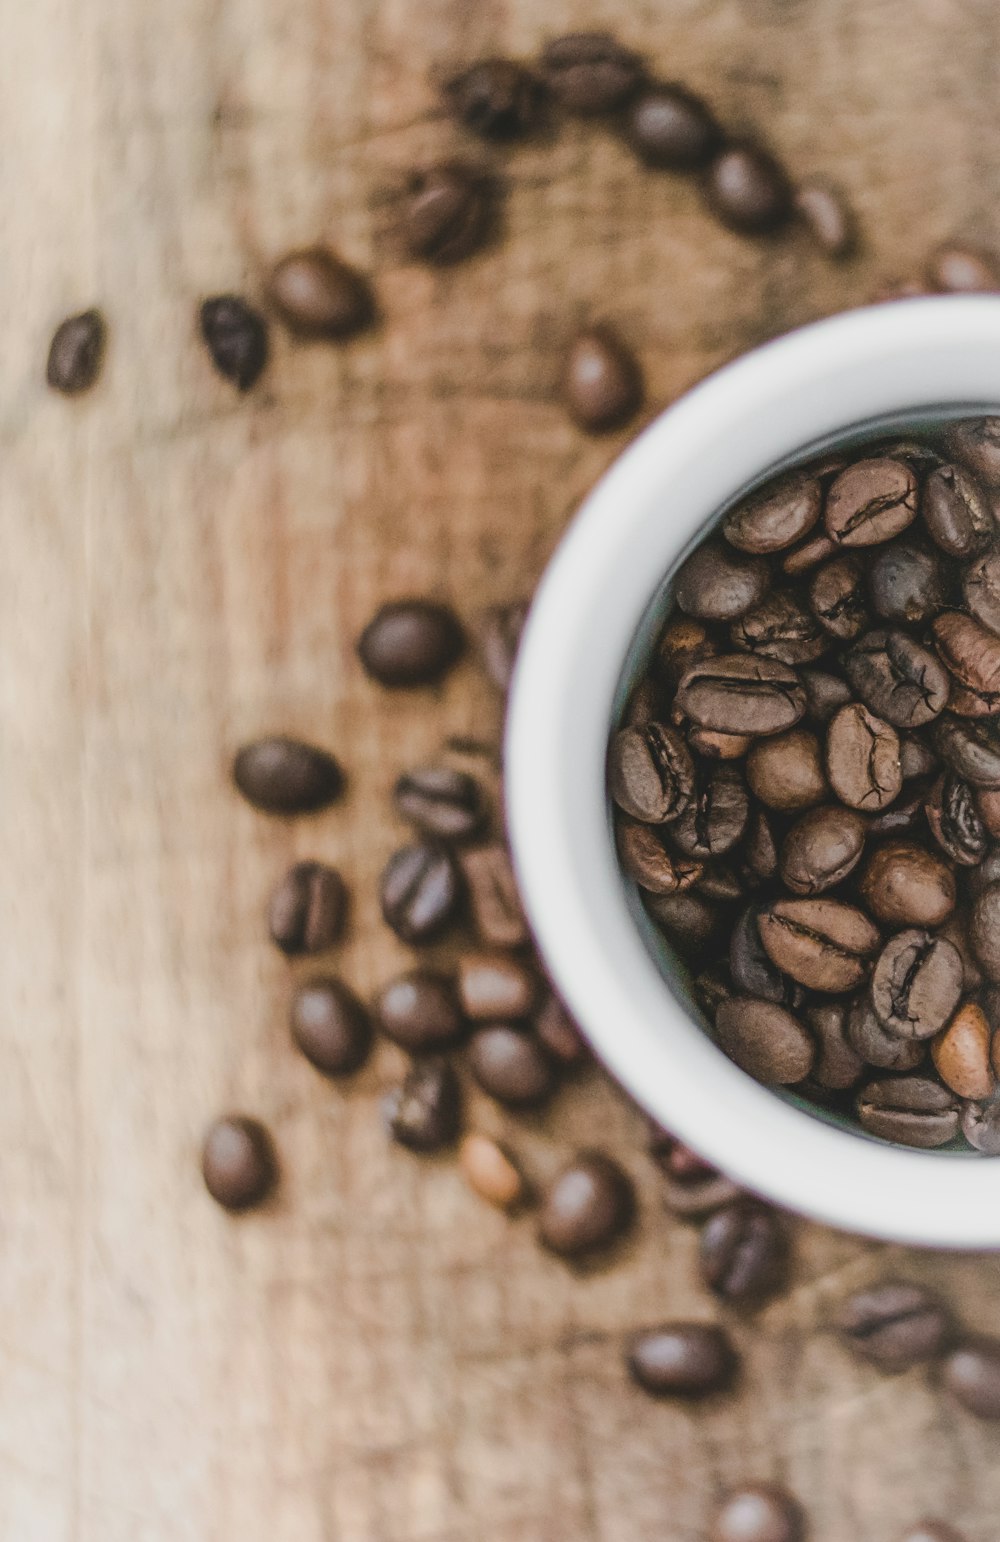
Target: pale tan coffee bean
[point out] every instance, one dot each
(490, 1172)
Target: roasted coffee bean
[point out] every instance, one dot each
(590, 73)
(76, 353)
(981, 1127)
(410, 642)
(495, 985)
(862, 759)
(912, 1110)
(284, 776)
(822, 943)
(930, 1530)
(715, 819)
(556, 1031)
(779, 628)
(871, 501)
(425, 1112)
(307, 910)
(971, 1373)
(916, 983)
(236, 338)
(743, 1251)
(808, 556)
(961, 1054)
(894, 1325)
(420, 891)
(712, 988)
(916, 758)
(981, 590)
(682, 1359)
(650, 772)
(717, 583)
(642, 705)
(646, 860)
(956, 931)
(970, 652)
(493, 897)
(955, 822)
(760, 1512)
(972, 750)
(601, 381)
(837, 597)
(984, 929)
(752, 971)
(319, 296)
(330, 1026)
(821, 849)
(670, 127)
(747, 189)
(955, 269)
(445, 212)
(765, 1040)
(760, 857)
(956, 512)
(876, 1045)
(831, 223)
(738, 693)
(682, 643)
(511, 1065)
(896, 678)
(904, 816)
(420, 1011)
(491, 1172)
(440, 801)
(988, 805)
(838, 1065)
(904, 884)
(786, 771)
(774, 518)
(906, 580)
(587, 1206)
(687, 919)
(716, 746)
(825, 694)
(499, 640)
(693, 1188)
(496, 98)
(976, 443)
(238, 1162)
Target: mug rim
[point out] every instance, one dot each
(654, 502)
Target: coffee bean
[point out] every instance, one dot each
(776, 516)
(905, 816)
(76, 353)
(445, 212)
(765, 1040)
(984, 929)
(743, 1251)
(410, 642)
(786, 771)
(716, 746)
(319, 296)
(976, 443)
(760, 854)
(752, 971)
(711, 989)
(929, 1530)
(714, 821)
(601, 382)
(896, 678)
(688, 920)
(307, 910)
(871, 501)
(876, 1045)
(496, 98)
(491, 1172)
(912, 1110)
(894, 1325)
(650, 772)
(718, 584)
(440, 801)
(425, 1112)
(495, 985)
(956, 512)
(981, 590)
(236, 338)
(590, 73)
(970, 652)
(971, 1373)
(916, 983)
(954, 820)
(692, 1187)
(862, 759)
(499, 639)
(682, 1359)
(972, 750)
(961, 1054)
(779, 628)
(741, 694)
(821, 849)
(823, 943)
(587, 1206)
(558, 1034)
(760, 1512)
(837, 597)
(955, 269)
(988, 807)
(330, 1026)
(916, 758)
(839, 1065)
(238, 1162)
(683, 642)
(747, 189)
(493, 897)
(808, 556)
(828, 218)
(284, 776)
(956, 931)
(906, 580)
(420, 890)
(981, 1127)
(905, 885)
(511, 1065)
(670, 127)
(825, 694)
(646, 860)
(420, 1011)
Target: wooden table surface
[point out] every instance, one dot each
(379, 1357)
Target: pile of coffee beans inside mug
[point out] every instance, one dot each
(808, 777)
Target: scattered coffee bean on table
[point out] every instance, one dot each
(420, 1011)
(319, 296)
(307, 910)
(279, 775)
(671, 128)
(971, 1373)
(496, 98)
(556, 1031)
(743, 1252)
(410, 642)
(601, 382)
(587, 1206)
(499, 639)
(421, 891)
(495, 985)
(491, 1172)
(440, 801)
(493, 896)
(682, 1359)
(425, 1112)
(693, 1188)
(824, 211)
(330, 1026)
(236, 338)
(760, 1512)
(590, 73)
(929, 1530)
(511, 1065)
(238, 1162)
(894, 1325)
(748, 189)
(445, 212)
(76, 353)
(963, 270)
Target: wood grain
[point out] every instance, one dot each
(378, 1358)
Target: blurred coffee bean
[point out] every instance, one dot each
(823, 943)
(511, 1065)
(493, 898)
(976, 443)
(961, 1054)
(669, 127)
(955, 822)
(682, 1359)
(955, 269)
(743, 1251)
(747, 189)
(774, 518)
(590, 73)
(829, 220)
(420, 891)
(912, 1110)
(319, 296)
(751, 969)
(904, 884)
(837, 597)
(330, 1026)
(558, 1034)
(740, 694)
(759, 1512)
(425, 1112)
(906, 580)
(495, 985)
(410, 642)
(307, 910)
(687, 919)
(862, 759)
(491, 1172)
(765, 1040)
(930, 1530)
(786, 771)
(236, 338)
(650, 772)
(896, 678)
(76, 353)
(692, 1188)
(495, 98)
(284, 776)
(715, 818)
(445, 212)
(238, 1162)
(440, 801)
(971, 1373)
(877, 1047)
(601, 381)
(718, 584)
(420, 1011)
(984, 929)
(956, 512)
(894, 1325)
(499, 639)
(821, 849)
(916, 983)
(779, 627)
(870, 502)
(587, 1206)
(646, 859)
(838, 1065)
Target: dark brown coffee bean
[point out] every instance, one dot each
(823, 210)
(955, 822)
(876, 1045)
(862, 759)
(905, 816)
(738, 693)
(823, 943)
(683, 642)
(558, 1034)
(688, 920)
(970, 652)
(491, 1172)
(682, 1359)
(499, 640)
(587, 1206)
(904, 884)
(808, 556)
(906, 579)
(330, 1026)
(495, 985)
(76, 353)
(440, 801)
(718, 584)
(981, 1127)
(821, 849)
(955, 269)
(715, 746)
(837, 597)
(714, 821)
(511, 1065)
(590, 73)
(670, 127)
(916, 758)
(961, 1054)
(410, 642)
(493, 897)
(445, 212)
(988, 804)
(319, 296)
(912, 1110)
(420, 891)
(425, 1112)
(956, 931)
(747, 189)
(956, 512)
(930, 1530)
(776, 516)
(825, 694)
(284, 776)
(646, 859)
(976, 443)
(916, 983)
(760, 1512)
(838, 1065)
(981, 589)
(601, 381)
(692, 1187)
(896, 678)
(779, 628)
(972, 750)
(765, 1040)
(786, 771)
(760, 857)
(236, 338)
(752, 971)
(307, 910)
(971, 1373)
(894, 1325)
(650, 772)
(743, 1251)
(238, 1162)
(496, 98)
(711, 989)
(984, 929)
(870, 502)
(420, 1011)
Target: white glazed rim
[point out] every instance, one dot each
(905, 356)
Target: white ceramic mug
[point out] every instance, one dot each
(589, 631)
